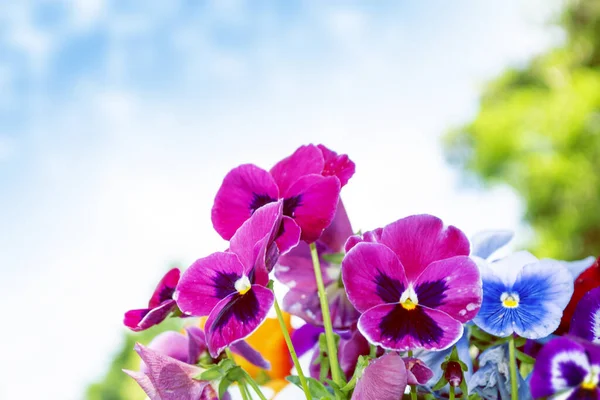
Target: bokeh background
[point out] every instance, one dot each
(119, 118)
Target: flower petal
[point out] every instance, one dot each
(419, 240)
(484, 244)
(207, 281)
(452, 285)
(196, 343)
(305, 338)
(170, 343)
(350, 350)
(417, 372)
(493, 317)
(145, 383)
(586, 281)
(509, 267)
(306, 160)
(295, 269)
(586, 319)
(312, 202)
(339, 231)
(171, 379)
(243, 349)
(337, 165)
(578, 266)
(288, 236)
(373, 236)
(383, 379)
(395, 328)
(244, 190)
(139, 320)
(561, 364)
(165, 288)
(372, 275)
(235, 317)
(544, 288)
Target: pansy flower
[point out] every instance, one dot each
(308, 181)
(161, 304)
(230, 287)
(523, 295)
(568, 367)
(415, 285)
(385, 378)
(586, 319)
(165, 378)
(295, 270)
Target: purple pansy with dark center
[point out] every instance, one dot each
(295, 270)
(385, 378)
(165, 378)
(523, 295)
(161, 304)
(586, 319)
(308, 181)
(415, 286)
(567, 366)
(230, 287)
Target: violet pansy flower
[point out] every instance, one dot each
(568, 367)
(230, 287)
(586, 319)
(161, 304)
(415, 286)
(295, 270)
(523, 295)
(308, 181)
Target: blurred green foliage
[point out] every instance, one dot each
(538, 130)
(116, 385)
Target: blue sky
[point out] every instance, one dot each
(118, 119)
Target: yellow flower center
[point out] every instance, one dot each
(242, 285)
(510, 300)
(409, 300)
(591, 380)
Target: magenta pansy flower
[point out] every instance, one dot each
(586, 318)
(414, 284)
(569, 367)
(308, 182)
(230, 287)
(165, 378)
(295, 270)
(161, 304)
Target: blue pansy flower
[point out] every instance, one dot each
(523, 295)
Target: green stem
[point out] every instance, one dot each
(331, 346)
(288, 341)
(451, 392)
(512, 354)
(247, 379)
(413, 388)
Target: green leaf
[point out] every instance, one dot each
(440, 384)
(333, 258)
(316, 388)
(524, 357)
(223, 386)
(211, 374)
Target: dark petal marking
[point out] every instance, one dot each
(431, 294)
(388, 289)
(224, 283)
(401, 322)
(290, 205)
(166, 293)
(260, 200)
(573, 373)
(243, 307)
(584, 394)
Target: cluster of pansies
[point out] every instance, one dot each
(411, 309)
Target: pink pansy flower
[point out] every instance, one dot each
(308, 182)
(161, 304)
(414, 284)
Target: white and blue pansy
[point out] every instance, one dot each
(523, 295)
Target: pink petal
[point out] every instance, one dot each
(244, 190)
(452, 285)
(336, 234)
(314, 200)
(165, 288)
(372, 275)
(337, 165)
(306, 160)
(207, 281)
(419, 240)
(383, 379)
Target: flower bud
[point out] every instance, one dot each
(453, 373)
